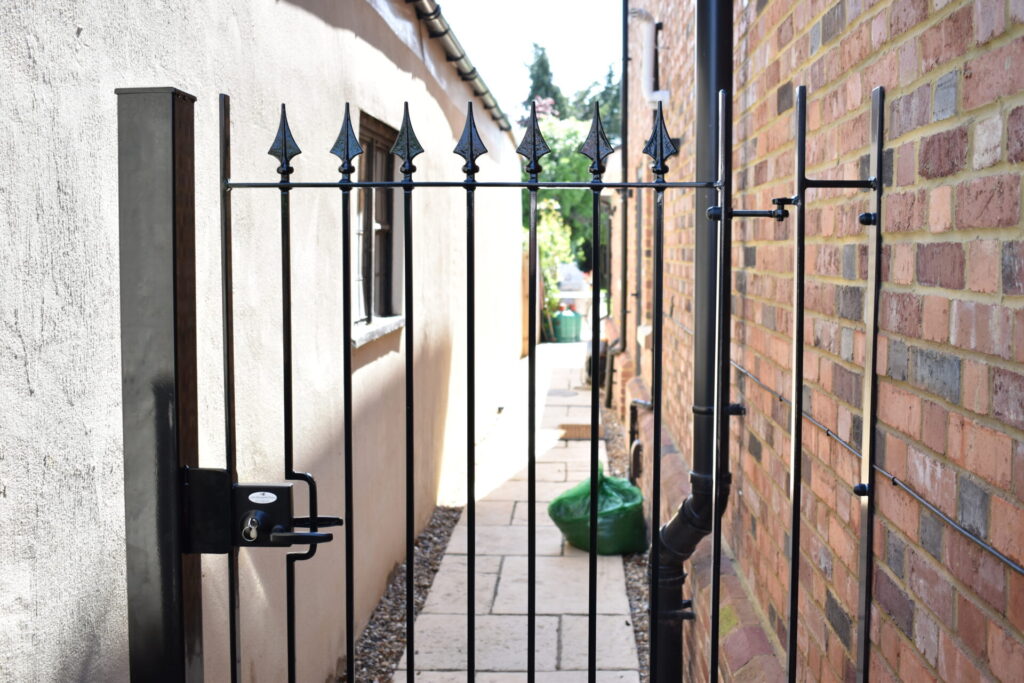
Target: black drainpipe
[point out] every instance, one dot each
(692, 522)
(620, 344)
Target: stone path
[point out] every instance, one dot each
(501, 543)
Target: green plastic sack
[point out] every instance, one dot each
(620, 516)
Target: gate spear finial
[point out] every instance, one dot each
(346, 147)
(284, 148)
(660, 146)
(533, 145)
(596, 147)
(406, 146)
(470, 145)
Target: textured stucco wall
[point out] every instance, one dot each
(62, 596)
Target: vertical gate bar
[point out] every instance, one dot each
(531, 448)
(284, 148)
(724, 314)
(797, 386)
(347, 148)
(656, 399)
(410, 448)
(228, 324)
(595, 416)
(156, 242)
(867, 462)
(406, 147)
(470, 426)
(532, 148)
(659, 147)
(350, 541)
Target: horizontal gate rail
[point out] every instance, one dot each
(526, 185)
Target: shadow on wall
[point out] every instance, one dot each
(382, 33)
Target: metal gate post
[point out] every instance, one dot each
(156, 193)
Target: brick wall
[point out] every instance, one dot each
(951, 346)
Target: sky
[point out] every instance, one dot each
(582, 37)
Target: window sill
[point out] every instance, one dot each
(364, 333)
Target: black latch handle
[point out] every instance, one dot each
(320, 521)
(299, 537)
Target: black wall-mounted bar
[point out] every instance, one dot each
(866, 489)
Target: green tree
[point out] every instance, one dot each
(609, 99)
(542, 83)
(565, 163)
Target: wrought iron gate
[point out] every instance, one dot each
(176, 510)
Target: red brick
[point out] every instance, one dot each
(947, 39)
(954, 664)
(912, 668)
(900, 312)
(1012, 268)
(977, 569)
(994, 74)
(984, 263)
(975, 387)
(1008, 397)
(906, 165)
(1007, 528)
(1015, 134)
(905, 14)
(940, 209)
(934, 428)
(944, 153)
(899, 508)
(981, 327)
(936, 318)
(971, 626)
(1006, 654)
(899, 409)
(941, 265)
(934, 590)
(906, 212)
(1015, 607)
(989, 20)
(983, 451)
(989, 202)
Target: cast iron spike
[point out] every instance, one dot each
(470, 145)
(660, 146)
(347, 146)
(284, 148)
(533, 146)
(596, 147)
(406, 146)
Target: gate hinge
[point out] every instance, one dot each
(219, 514)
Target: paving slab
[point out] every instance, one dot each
(506, 540)
(616, 644)
(500, 643)
(501, 545)
(562, 585)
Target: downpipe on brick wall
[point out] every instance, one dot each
(678, 538)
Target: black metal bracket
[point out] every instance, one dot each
(780, 214)
(220, 515)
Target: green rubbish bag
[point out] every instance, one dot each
(620, 516)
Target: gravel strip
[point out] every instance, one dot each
(382, 644)
(634, 564)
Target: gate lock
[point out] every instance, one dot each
(220, 514)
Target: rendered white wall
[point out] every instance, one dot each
(62, 595)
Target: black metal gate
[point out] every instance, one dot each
(176, 510)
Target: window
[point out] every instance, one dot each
(377, 305)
